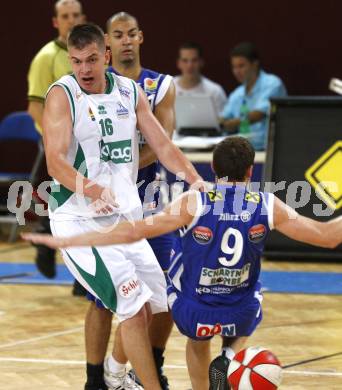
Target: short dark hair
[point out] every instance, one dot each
(247, 50)
(232, 158)
(84, 34)
(192, 45)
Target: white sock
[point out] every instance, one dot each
(228, 352)
(115, 367)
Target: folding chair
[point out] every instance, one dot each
(21, 154)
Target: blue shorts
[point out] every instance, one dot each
(201, 321)
(161, 246)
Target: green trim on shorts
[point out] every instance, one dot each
(60, 194)
(101, 283)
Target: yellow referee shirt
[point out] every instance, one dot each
(49, 65)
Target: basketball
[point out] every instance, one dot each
(254, 368)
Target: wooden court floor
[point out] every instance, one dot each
(41, 334)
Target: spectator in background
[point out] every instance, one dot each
(247, 108)
(191, 82)
(49, 65)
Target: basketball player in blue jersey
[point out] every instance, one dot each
(213, 284)
(124, 38)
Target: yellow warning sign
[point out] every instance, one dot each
(325, 176)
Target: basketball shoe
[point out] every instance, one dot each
(119, 381)
(218, 370)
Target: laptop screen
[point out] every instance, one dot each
(196, 114)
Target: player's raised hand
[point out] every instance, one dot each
(45, 239)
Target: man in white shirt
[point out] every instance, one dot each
(191, 82)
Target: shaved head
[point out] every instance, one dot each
(121, 17)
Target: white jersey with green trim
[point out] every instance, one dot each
(104, 148)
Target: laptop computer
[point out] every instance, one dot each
(196, 116)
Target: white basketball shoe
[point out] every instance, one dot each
(119, 381)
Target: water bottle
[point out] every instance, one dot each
(244, 124)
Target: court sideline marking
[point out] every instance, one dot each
(47, 336)
(312, 360)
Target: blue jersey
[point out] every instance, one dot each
(155, 86)
(216, 260)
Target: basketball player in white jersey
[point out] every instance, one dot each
(91, 144)
(125, 39)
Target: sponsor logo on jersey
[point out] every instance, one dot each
(253, 197)
(257, 233)
(125, 92)
(229, 217)
(91, 115)
(224, 276)
(101, 109)
(218, 290)
(121, 111)
(203, 290)
(208, 330)
(119, 152)
(245, 216)
(127, 289)
(202, 235)
(151, 85)
(215, 195)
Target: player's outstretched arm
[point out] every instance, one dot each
(300, 228)
(179, 213)
(165, 113)
(168, 154)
